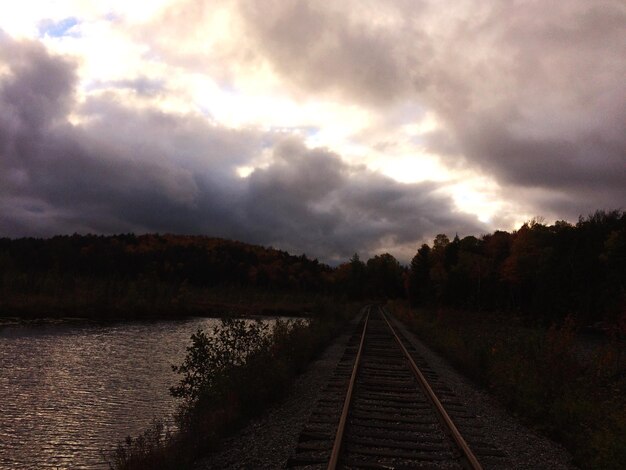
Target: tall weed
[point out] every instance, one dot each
(538, 374)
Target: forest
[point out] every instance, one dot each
(540, 272)
(143, 275)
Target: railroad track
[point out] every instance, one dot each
(380, 412)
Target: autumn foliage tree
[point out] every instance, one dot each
(146, 275)
(542, 271)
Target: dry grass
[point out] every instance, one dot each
(538, 374)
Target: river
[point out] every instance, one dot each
(70, 390)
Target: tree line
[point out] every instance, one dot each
(130, 275)
(197, 260)
(545, 272)
(542, 271)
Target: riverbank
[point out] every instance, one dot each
(269, 440)
(220, 397)
(73, 388)
(213, 302)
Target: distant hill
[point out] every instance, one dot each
(145, 275)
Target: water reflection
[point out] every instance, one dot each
(68, 391)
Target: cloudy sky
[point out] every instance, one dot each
(313, 126)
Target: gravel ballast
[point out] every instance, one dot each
(525, 448)
(268, 441)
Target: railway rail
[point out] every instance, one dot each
(380, 412)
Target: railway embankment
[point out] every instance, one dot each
(272, 439)
(268, 440)
(537, 374)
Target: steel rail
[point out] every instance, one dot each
(469, 456)
(334, 456)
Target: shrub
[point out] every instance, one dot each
(228, 376)
(148, 451)
(211, 358)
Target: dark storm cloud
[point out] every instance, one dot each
(531, 93)
(312, 197)
(582, 162)
(123, 169)
(563, 127)
(37, 90)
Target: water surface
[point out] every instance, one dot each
(67, 391)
